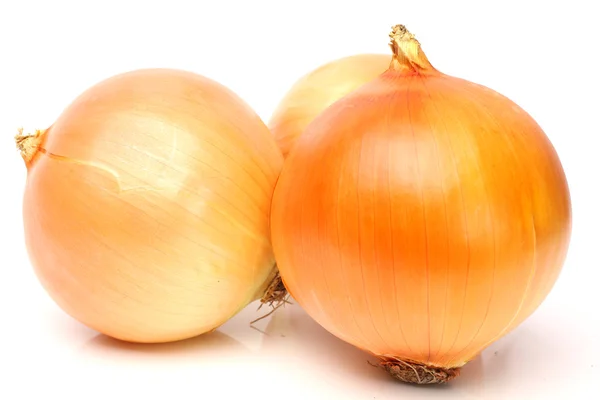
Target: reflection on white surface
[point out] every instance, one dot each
(285, 356)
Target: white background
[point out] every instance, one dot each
(542, 54)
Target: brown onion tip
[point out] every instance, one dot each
(407, 52)
(28, 144)
(399, 32)
(417, 373)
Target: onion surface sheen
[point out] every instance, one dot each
(421, 217)
(146, 209)
(317, 90)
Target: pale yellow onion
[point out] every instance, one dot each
(317, 90)
(146, 209)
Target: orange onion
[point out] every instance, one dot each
(421, 217)
(146, 209)
(317, 90)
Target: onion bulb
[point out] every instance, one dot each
(421, 217)
(317, 90)
(146, 208)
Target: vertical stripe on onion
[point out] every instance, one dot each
(421, 217)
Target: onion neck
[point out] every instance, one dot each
(29, 144)
(408, 57)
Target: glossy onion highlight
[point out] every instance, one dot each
(317, 90)
(147, 202)
(421, 217)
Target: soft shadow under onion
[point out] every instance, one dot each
(213, 344)
(295, 339)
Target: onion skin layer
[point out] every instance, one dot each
(317, 90)
(421, 217)
(146, 209)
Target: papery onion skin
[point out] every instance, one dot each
(317, 90)
(146, 209)
(421, 217)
